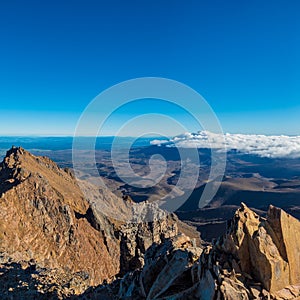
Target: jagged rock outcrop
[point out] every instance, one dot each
(169, 270)
(257, 258)
(46, 222)
(136, 238)
(250, 261)
(266, 249)
(55, 243)
(43, 218)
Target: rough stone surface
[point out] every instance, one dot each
(285, 230)
(45, 219)
(255, 259)
(267, 249)
(170, 272)
(55, 244)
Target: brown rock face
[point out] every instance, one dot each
(137, 238)
(43, 217)
(45, 221)
(47, 227)
(256, 259)
(285, 233)
(267, 249)
(169, 272)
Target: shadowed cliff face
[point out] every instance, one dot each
(46, 222)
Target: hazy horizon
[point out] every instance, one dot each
(261, 145)
(133, 136)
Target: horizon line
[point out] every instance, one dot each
(132, 136)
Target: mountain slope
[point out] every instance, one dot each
(58, 243)
(42, 217)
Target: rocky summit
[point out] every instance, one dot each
(258, 258)
(55, 243)
(54, 240)
(43, 218)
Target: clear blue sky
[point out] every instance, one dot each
(242, 56)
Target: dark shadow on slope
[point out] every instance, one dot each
(17, 283)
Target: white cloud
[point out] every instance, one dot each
(261, 145)
(158, 142)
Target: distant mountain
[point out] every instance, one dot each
(66, 142)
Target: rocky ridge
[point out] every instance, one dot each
(56, 244)
(256, 259)
(51, 231)
(43, 218)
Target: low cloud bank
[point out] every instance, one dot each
(274, 146)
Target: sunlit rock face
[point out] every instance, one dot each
(257, 258)
(43, 218)
(47, 224)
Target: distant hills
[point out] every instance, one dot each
(65, 143)
(257, 180)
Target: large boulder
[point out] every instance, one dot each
(266, 248)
